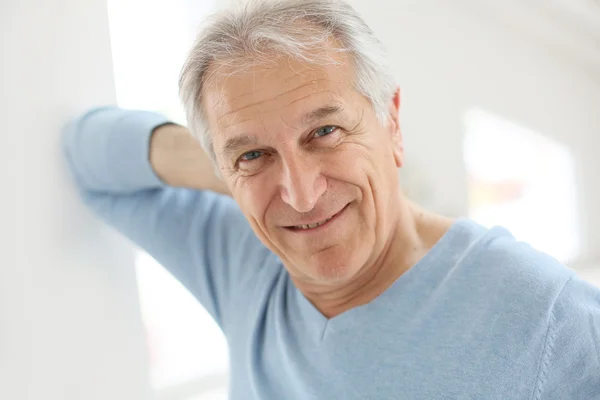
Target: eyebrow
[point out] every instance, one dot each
(236, 142)
(321, 113)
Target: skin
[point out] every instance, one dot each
(297, 144)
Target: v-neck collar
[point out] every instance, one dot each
(319, 326)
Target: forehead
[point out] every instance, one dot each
(284, 89)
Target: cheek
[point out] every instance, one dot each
(352, 164)
(254, 196)
(345, 160)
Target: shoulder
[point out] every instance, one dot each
(576, 315)
(543, 302)
(496, 257)
(570, 364)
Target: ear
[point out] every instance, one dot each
(395, 131)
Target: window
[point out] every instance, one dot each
(150, 40)
(523, 181)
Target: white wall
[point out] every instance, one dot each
(451, 56)
(69, 315)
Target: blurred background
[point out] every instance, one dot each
(501, 121)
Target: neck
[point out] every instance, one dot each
(414, 233)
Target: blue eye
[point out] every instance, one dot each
(251, 155)
(325, 130)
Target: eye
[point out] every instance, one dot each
(325, 130)
(251, 155)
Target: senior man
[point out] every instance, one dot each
(327, 282)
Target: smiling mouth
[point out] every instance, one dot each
(317, 224)
(311, 226)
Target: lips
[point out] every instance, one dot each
(311, 226)
(303, 227)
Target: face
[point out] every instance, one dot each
(312, 168)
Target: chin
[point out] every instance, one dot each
(333, 267)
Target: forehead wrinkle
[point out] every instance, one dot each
(309, 95)
(333, 107)
(287, 105)
(229, 113)
(235, 111)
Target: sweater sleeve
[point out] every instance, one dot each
(570, 365)
(108, 148)
(200, 237)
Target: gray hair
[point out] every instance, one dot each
(252, 32)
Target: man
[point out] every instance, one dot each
(327, 282)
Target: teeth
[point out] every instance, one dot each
(311, 226)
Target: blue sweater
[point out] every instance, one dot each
(482, 316)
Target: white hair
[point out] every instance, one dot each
(258, 29)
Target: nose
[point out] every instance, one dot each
(302, 182)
